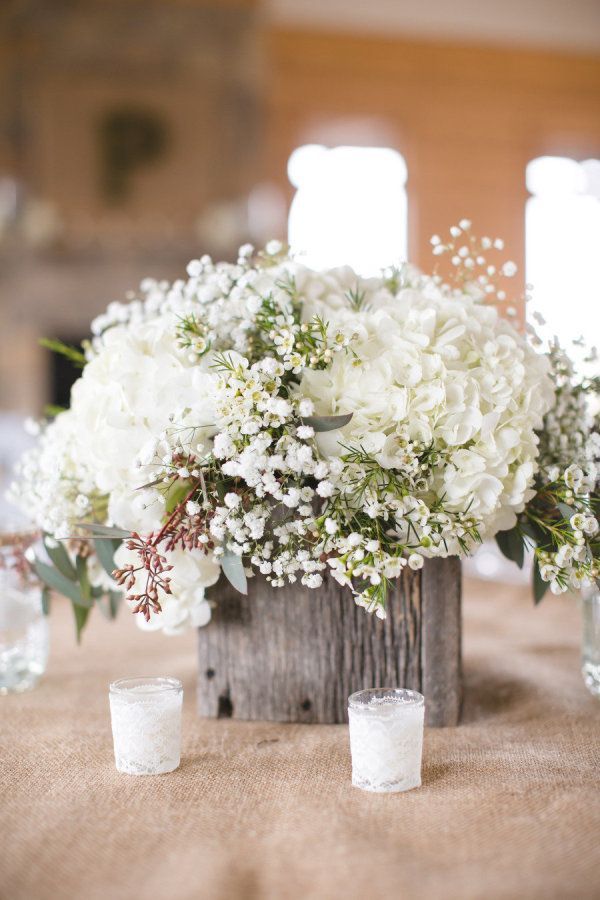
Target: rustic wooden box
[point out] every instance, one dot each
(295, 655)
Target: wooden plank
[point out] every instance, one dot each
(441, 648)
(295, 655)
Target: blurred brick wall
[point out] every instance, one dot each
(192, 67)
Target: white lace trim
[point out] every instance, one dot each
(386, 748)
(146, 731)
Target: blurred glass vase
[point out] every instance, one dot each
(23, 625)
(590, 651)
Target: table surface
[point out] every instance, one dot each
(509, 807)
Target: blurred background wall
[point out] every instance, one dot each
(136, 134)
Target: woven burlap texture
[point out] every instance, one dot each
(509, 808)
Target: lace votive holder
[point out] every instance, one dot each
(146, 724)
(386, 739)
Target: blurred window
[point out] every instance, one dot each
(350, 207)
(563, 246)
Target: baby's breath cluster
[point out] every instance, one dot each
(477, 268)
(268, 459)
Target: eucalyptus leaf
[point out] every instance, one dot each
(327, 423)
(539, 585)
(108, 603)
(233, 570)
(83, 578)
(177, 492)
(565, 510)
(57, 581)
(104, 607)
(81, 617)
(511, 545)
(105, 551)
(114, 601)
(532, 531)
(46, 596)
(104, 531)
(60, 559)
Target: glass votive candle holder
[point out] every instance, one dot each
(386, 739)
(23, 625)
(146, 724)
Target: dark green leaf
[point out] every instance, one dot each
(327, 423)
(51, 410)
(511, 545)
(55, 580)
(233, 570)
(60, 559)
(71, 353)
(539, 585)
(81, 617)
(105, 551)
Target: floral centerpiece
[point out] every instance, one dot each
(263, 418)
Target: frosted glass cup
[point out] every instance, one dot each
(23, 625)
(146, 724)
(590, 648)
(386, 739)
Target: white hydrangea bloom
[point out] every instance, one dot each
(186, 606)
(427, 369)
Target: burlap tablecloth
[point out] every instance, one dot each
(509, 808)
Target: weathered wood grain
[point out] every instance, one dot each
(441, 644)
(295, 655)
